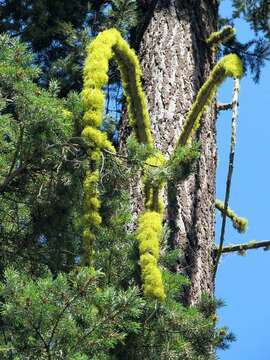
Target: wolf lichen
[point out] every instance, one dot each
(229, 66)
(148, 235)
(106, 45)
(221, 36)
(91, 217)
(102, 49)
(239, 223)
(149, 231)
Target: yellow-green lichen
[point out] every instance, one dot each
(239, 223)
(152, 199)
(110, 44)
(106, 45)
(148, 235)
(156, 160)
(221, 36)
(91, 218)
(229, 66)
(97, 137)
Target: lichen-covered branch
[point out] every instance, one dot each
(239, 223)
(148, 235)
(149, 232)
(251, 245)
(228, 66)
(91, 217)
(102, 49)
(110, 44)
(107, 44)
(221, 36)
(230, 170)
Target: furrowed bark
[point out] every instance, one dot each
(175, 62)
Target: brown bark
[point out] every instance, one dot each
(175, 62)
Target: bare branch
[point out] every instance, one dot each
(230, 171)
(251, 245)
(226, 106)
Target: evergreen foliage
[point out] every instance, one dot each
(257, 13)
(55, 32)
(101, 314)
(76, 316)
(66, 317)
(40, 165)
(60, 175)
(58, 32)
(255, 52)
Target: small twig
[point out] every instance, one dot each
(68, 145)
(115, 154)
(46, 346)
(59, 167)
(40, 192)
(226, 106)
(248, 53)
(251, 245)
(102, 162)
(17, 150)
(239, 223)
(67, 305)
(230, 171)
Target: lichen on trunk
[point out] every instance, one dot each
(175, 62)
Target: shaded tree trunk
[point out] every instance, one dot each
(175, 62)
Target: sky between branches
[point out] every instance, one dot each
(243, 282)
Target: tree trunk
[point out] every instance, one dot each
(175, 62)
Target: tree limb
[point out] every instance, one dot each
(226, 106)
(230, 172)
(251, 245)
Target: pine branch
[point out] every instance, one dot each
(251, 245)
(230, 171)
(67, 305)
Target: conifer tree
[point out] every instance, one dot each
(108, 240)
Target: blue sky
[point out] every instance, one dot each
(243, 282)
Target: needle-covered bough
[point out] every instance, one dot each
(107, 45)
